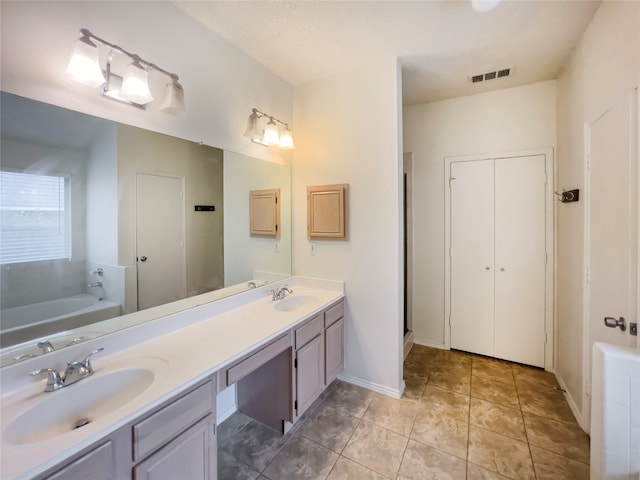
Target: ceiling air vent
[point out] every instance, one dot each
(482, 77)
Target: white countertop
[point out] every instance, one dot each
(201, 342)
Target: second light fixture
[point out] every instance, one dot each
(263, 129)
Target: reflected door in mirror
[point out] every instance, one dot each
(160, 240)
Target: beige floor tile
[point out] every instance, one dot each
(417, 367)
(230, 468)
(458, 369)
(346, 469)
(440, 431)
(474, 472)
(422, 462)
(446, 403)
(523, 373)
(496, 370)
(349, 398)
(495, 392)
(500, 454)
(255, 445)
(329, 427)
(459, 383)
(414, 387)
(498, 419)
(562, 438)
(392, 414)
(544, 402)
(301, 459)
(453, 357)
(550, 466)
(376, 448)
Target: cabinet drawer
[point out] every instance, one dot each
(97, 464)
(308, 331)
(165, 424)
(249, 364)
(333, 314)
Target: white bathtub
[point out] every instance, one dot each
(21, 324)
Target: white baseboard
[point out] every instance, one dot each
(390, 392)
(408, 343)
(427, 343)
(585, 425)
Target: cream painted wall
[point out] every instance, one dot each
(221, 83)
(348, 131)
(102, 197)
(244, 254)
(505, 120)
(604, 66)
(141, 151)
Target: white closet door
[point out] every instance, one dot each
(472, 257)
(520, 259)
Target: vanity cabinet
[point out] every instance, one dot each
(319, 355)
(191, 455)
(98, 464)
(309, 363)
(333, 342)
(175, 440)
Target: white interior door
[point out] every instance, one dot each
(520, 259)
(472, 256)
(159, 240)
(612, 225)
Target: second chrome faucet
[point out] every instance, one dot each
(280, 293)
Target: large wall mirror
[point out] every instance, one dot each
(105, 226)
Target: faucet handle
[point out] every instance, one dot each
(54, 381)
(87, 360)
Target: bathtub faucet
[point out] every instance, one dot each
(94, 284)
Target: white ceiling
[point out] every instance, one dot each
(440, 43)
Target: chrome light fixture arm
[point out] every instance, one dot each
(134, 56)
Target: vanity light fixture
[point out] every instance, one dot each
(268, 134)
(133, 88)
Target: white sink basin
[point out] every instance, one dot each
(294, 302)
(59, 412)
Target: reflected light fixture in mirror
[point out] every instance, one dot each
(269, 134)
(84, 67)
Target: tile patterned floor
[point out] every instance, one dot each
(462, 417)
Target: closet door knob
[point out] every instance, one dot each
(487, 268)
(502, 269)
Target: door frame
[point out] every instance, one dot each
(632, 99)
(549, 349)
(407, 162)
(183, 228)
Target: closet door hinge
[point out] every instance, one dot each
(450, 180)
(588, 275)
(588, 161)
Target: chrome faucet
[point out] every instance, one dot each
(75, 372)
(94, 284)
(280, 293)
(45, 346)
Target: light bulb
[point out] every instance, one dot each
(135, 86)
(84, 65)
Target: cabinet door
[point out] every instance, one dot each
(520, 259)
(472, 250)
(95, 465)
(191, 455)
(333, 351)
(309, 374)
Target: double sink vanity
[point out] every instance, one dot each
(149, 409)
